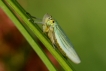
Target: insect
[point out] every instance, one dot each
(59, 38)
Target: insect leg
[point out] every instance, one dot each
(34, 19)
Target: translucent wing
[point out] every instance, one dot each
(65, 44)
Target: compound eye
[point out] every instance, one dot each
(53, 21)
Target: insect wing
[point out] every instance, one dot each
(65, 44)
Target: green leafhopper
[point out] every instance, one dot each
(59, 38)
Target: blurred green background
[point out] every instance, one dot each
(84, 23)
